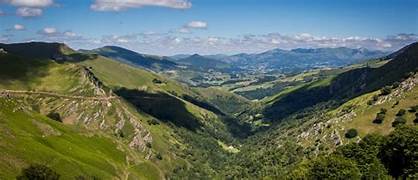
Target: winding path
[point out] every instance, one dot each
(7, 93)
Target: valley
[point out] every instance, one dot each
(112, 113)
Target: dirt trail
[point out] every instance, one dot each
(7, 93)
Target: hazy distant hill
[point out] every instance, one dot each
(300, 59)
(203, 63)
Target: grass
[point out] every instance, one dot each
(69, 151)
(42, 75)
(115, 74)
(366, 114)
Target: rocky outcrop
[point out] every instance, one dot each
(99, 86)
(403, 87)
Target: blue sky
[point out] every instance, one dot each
(167, 27)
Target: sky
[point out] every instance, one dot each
(168, 27)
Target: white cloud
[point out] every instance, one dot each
(28, 12)
(173, 43)
(197, 25)
(119, 5)
(48, 31)
(31, 3)
(70, 34)
(19, 27)
(29, 8)
(183, 30)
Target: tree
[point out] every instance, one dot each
(333, 167)
(365, 154)
(379, 118)
(401, 112)
(38, 172)
(399, 153)
(398, 121)
(385, 91)
(413, 109)
(351, 133)
(54, 116)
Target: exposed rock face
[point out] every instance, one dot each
(335, 137)
(2, 51)
(404, 86)
(99, 86)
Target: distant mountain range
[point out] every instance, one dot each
(284, 61)
(300, 59)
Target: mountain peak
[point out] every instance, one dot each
(38, 49)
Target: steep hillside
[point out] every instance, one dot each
(160, 126)
(353, 135)
(346, 85)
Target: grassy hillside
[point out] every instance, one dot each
(345, 86)
(29, 137)
(84, 115)
(160, 126)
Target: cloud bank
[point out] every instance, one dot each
(169, 44)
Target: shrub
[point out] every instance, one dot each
(375, 97)
(157, 81)
(395, 85)
(385, 91)
(38, 172)
(413, 109)
(383, 110)
(401, 112)
(153, 122)
(159, 156)
(54, 116)
(398, 121)
(351, 133)
(379, 118)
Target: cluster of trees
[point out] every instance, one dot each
(374, 157)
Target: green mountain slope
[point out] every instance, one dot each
(346, 85)
(311, 122)
(99, 95)
(92, 116)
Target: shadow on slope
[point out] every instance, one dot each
(202, 104)
(13, 68)
(162, 106)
